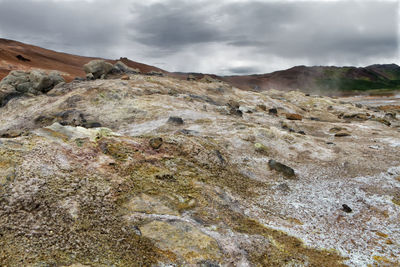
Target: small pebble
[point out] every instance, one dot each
(346, 208)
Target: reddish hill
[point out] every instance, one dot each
(323, 79)
(19, 56)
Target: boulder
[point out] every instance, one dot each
(279, 167)
(121, 67)
(175, 120)
(98, 68)
(21, 82)
(14, 78)
(40, 81)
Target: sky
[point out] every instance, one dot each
(225, 37)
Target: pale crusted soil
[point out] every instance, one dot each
(103, 196)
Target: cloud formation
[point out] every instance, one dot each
(228, 37)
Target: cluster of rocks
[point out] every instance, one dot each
(27, 82)
(99, 69)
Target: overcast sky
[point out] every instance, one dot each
(211, 36)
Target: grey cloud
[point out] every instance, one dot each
(60, 25)
(210, 36)
(243, 70)
(173, 24)
(287, 29)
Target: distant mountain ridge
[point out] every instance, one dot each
(321, 78)
(327, 80)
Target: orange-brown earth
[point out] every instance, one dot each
(39, 58)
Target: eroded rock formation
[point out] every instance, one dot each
(97, 173)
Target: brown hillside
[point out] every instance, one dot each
(31, 56)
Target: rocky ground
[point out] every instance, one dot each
(155, 171)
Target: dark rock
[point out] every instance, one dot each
(273, 111)
(315, 119)
(301, 132)
(22, 58)
(358, 105)
(156, 142)
(166, 177)
(79, 79)
(71, 117)
(92, 124)
(175, 120)
(207, 263)
(279, 167)
(346, 208)
(342, 134)
(236, 112)
(12, 133)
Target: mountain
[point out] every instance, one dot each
(326, 80)
(19, 56)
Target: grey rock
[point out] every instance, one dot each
(279, 167)
(89, 76)
(175, 120)
(98, 68)
(121, 67)
(14, 78)
(41, 82)
(155, 73)
(24, 87)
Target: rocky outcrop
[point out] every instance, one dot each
(120, 67)
(33, 82)
(98, 68)
(157, 171)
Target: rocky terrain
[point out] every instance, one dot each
(145, 170)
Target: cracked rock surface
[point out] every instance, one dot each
(83, 183)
